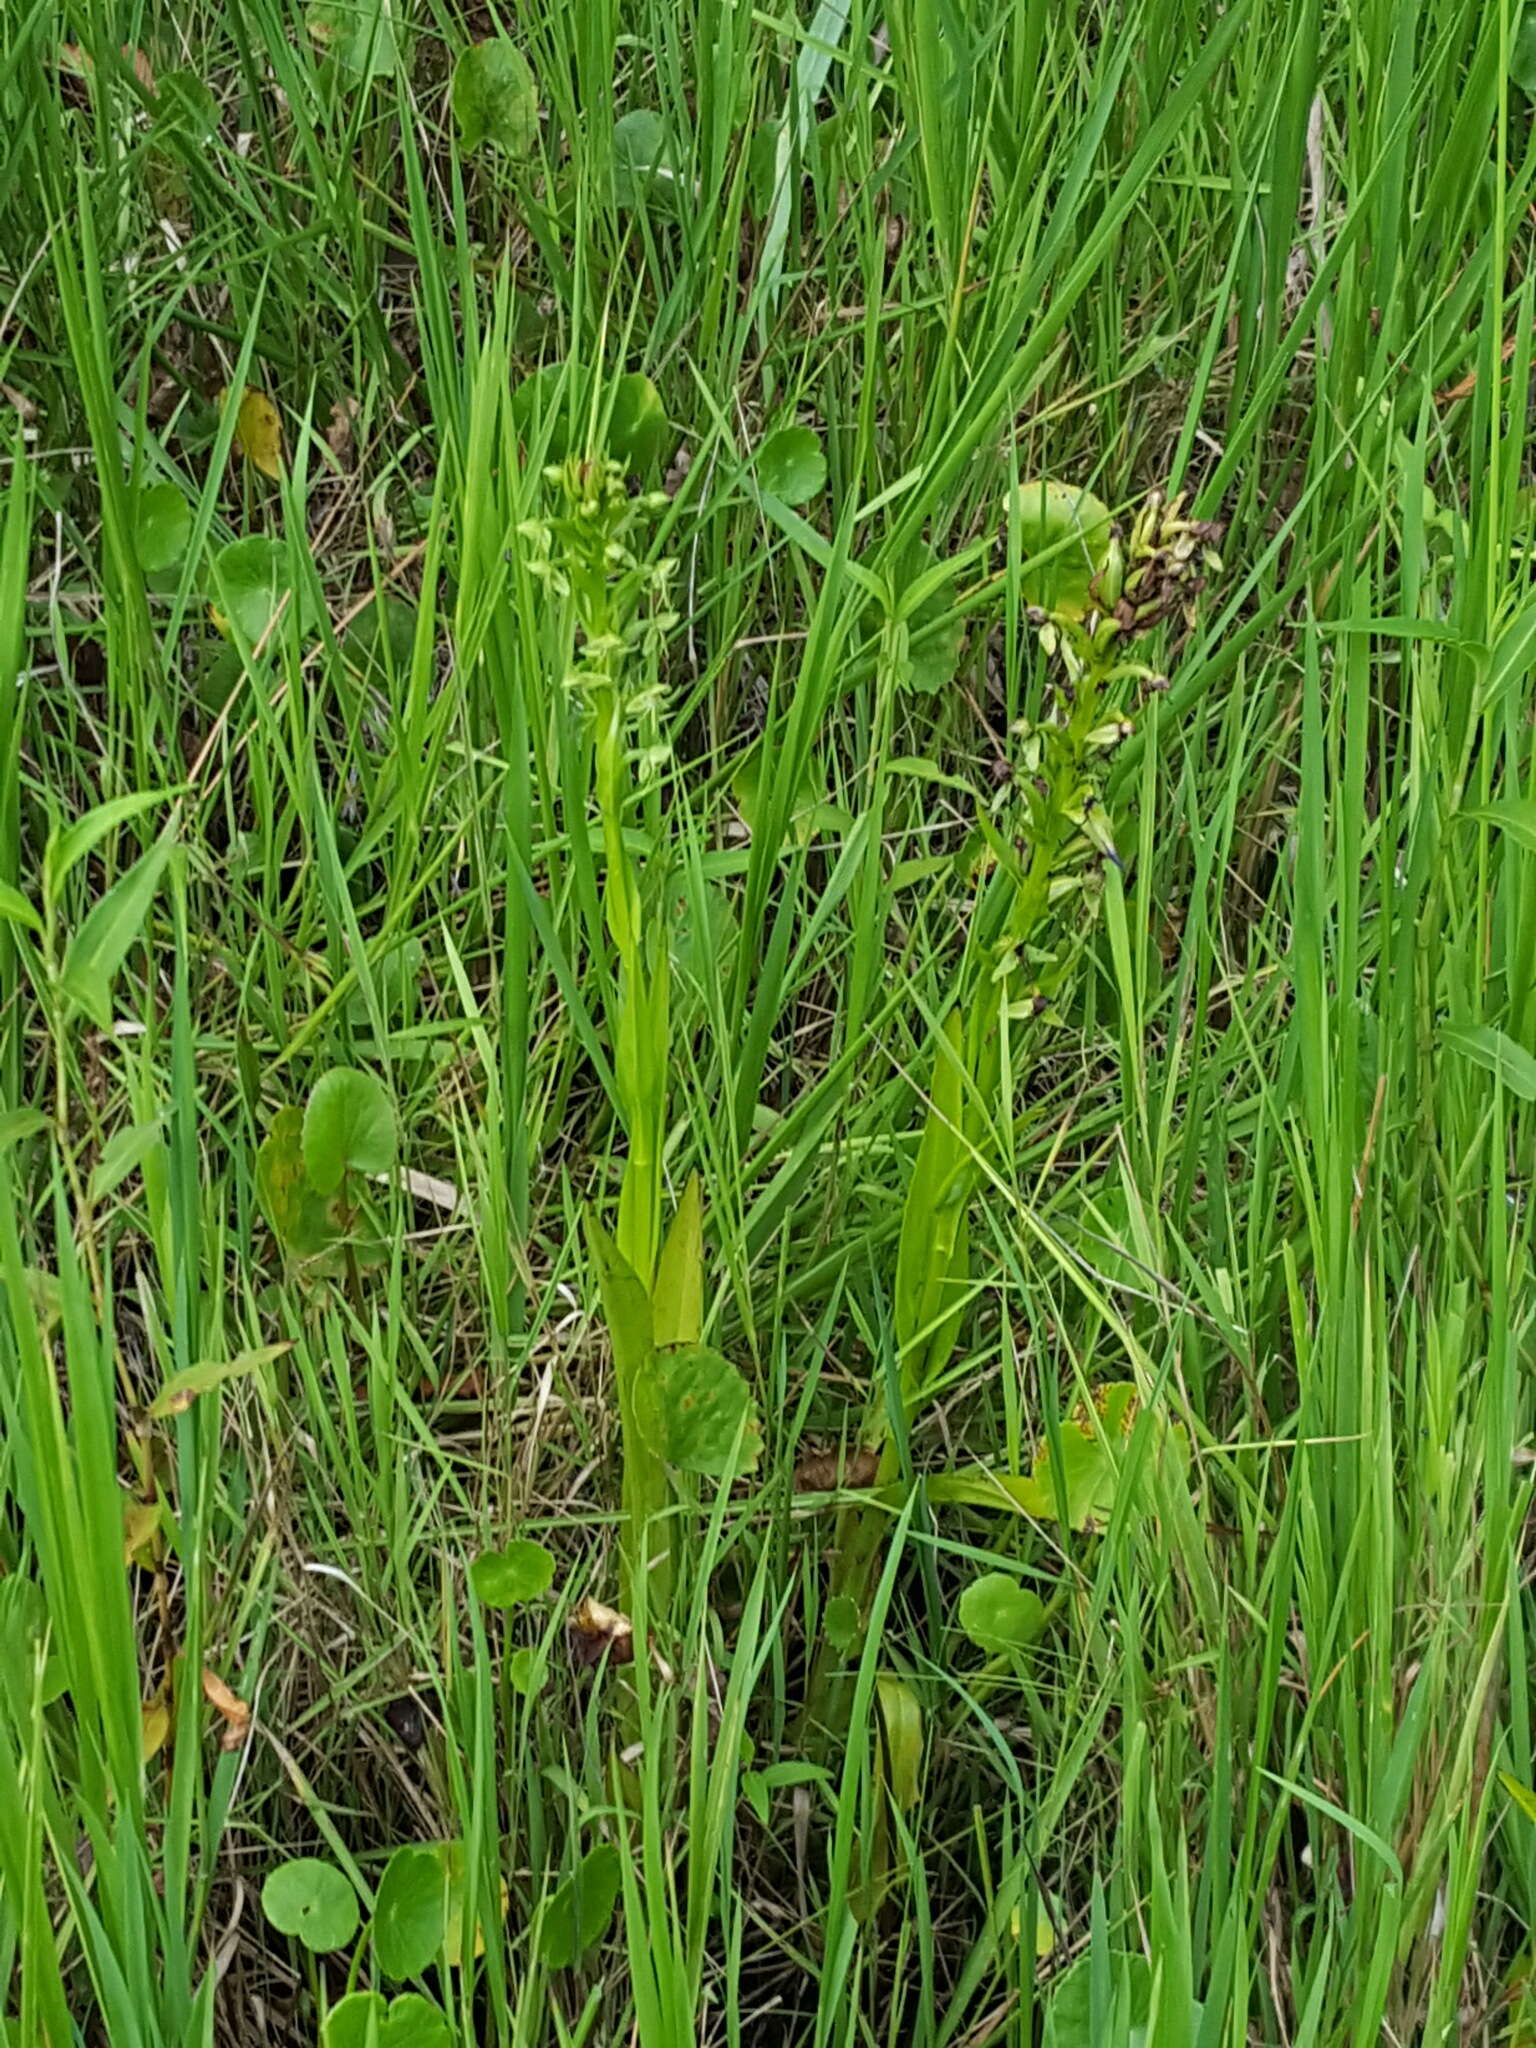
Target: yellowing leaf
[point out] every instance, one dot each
(1522, 1795)
(154, 1727)
(234, 1712)
(141, 1525)
(259, 432)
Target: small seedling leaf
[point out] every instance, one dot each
(349, 1127)
(162, 527)
(24, 1631)
(696, 1411)
(98, 948)
(791, 465)
(999, 1615)
(259, 432)
(526, 1671)
(511, 1577)
(637, 423)
(1521, 1794)
(578, 1915)
(312, 1901)
(1071, 530)
(496, 98)
(410, 1914)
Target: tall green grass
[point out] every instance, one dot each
(1270, 1163)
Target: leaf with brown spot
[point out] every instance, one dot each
(259, 432)
(141, 1526)
(233, 1711)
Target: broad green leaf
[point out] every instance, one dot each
(692, 1404)
(98, 948)
(1069, 2012)
(495, 97)
(1516, 819)
(28, 1669)
(1090, 1448)
(298, 1215)
(1090, 1460)
(900, 1725)
(66, 849)
(1522, 52)
(15, 908)
(252, 584)
(451, 1858)
(840, 1623)
(349, 1127)
(184, 1387)
(122, 1154)
(312, 1901)
(1064, 536)
(791, 464)
(183, 101)
(758, 1787)
(1498, 1054)
(363, 2020)
(382, 638)
(935, 631)
(677, 1299)
(359, 34)
(17, 1124)
(810, 816)
(162, 527)
(626, 1305)
(637, 423)
(410, 1915)
(642, 160)
(560, 396)
(512, 1576)
(577, 1916)
(999, 1615)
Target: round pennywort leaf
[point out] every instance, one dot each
(1071, 531)
(695, 1410)
(1001, 1616)
(578, 1914)
(495, 97)
(637, 425)
(513, 1576)
(349, 1126)
(162, 527)
(312, 1901)
(791, 465)
(410, 1914)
